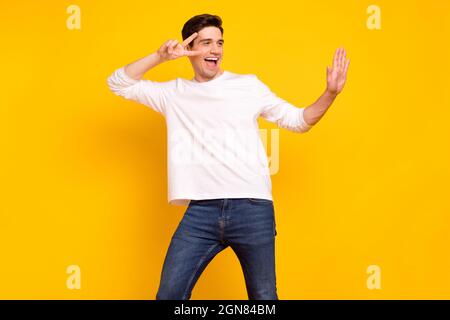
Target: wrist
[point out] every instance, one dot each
(159, 58)
(330, 94)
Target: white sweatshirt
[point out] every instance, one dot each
(213, 140)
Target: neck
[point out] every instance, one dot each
(200, 78)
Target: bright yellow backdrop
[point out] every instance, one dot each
(83, 171)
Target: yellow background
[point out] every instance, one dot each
(83, 171)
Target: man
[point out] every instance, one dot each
(217, 164)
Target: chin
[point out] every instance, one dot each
(210, 73)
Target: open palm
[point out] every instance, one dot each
(337, 74)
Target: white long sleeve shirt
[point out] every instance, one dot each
(213, 141)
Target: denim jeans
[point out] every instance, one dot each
(209, 226)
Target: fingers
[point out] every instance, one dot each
(170, 42)
(192, 52)
(344, 61)
(189, 39)
(171, 45)
(168, 45)
(346, 66)
(335, 59)
(164, 46)
(340, 61)
(174, 44)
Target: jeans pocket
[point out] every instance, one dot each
(260, 200)
(198, 201)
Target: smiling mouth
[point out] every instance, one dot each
(212, 62)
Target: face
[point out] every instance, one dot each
(210, 42)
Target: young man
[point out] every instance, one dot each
(217, 164)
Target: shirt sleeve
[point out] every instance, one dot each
(147, 92)
(279, 111)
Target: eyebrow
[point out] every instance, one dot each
(211, 40)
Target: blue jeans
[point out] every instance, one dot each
(209, 226)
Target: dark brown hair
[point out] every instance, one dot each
(197, 23)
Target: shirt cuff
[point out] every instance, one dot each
(124, 77)
(304, 126)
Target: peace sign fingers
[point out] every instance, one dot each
(191, 53)
(189, 39)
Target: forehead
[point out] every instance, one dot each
(209, 33)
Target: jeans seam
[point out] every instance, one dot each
(202, 260)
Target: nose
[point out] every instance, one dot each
(215, 49)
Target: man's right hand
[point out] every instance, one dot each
(172, 49)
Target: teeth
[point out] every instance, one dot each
(212, 59)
